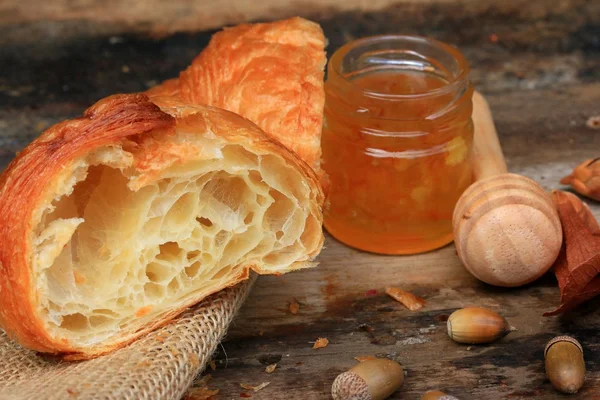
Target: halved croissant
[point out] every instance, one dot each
(113, 223)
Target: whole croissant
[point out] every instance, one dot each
(114, 223)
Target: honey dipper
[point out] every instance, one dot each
(506, 229)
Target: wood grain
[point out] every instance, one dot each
(166, 17)
(536, 61)
(487, 157)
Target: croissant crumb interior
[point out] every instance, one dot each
(112, 254)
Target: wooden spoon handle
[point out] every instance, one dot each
(487, 156)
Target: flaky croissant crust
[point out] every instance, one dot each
(147, 145)
(279, 64)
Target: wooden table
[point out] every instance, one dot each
(538, 63)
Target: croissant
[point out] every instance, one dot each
(279, 63)
(114, 223)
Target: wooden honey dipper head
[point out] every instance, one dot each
(506, 230)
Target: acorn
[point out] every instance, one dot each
(370, 380)
(475, 325)
(565, 366)
(437, 395)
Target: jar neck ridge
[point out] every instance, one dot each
(398, 78)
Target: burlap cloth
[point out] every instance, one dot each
(161, 365)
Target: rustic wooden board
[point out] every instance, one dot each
(334, 304)
(538, 63)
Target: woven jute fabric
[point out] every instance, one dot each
(161, 365)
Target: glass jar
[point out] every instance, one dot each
(397, 140)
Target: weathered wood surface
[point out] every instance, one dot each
(538, 63)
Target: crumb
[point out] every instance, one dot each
(364, 358)
(299, 363)
(320, 343)
(371, 292)
(469, 348)
(255, 388)
(212, 365)
(40, 126)
(294, 307)
(409, 300)
(245, 395)
(493, 38)
(194, 360)
(72, 392)
(200, 393)
(270, 368)
(593, 122)
(125, 69)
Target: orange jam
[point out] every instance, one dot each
(396, 142)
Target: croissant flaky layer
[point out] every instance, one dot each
(270, 73)
(114, 223)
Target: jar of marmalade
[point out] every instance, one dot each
(397, 140)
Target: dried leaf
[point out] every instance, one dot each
(590, 291)
(320, 343)
(365, 358)
(212, 365)
(255, 388)
(585, 179)
(583, 211)
(294, 307)
(578, 262)
(410, 301)
(270, 368)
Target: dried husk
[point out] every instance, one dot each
(578, 262)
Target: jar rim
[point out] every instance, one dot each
(454, 81)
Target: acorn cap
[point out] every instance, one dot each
(350, 386)
(373, 379)
(562, 339)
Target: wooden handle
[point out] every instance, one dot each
(487, 156)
